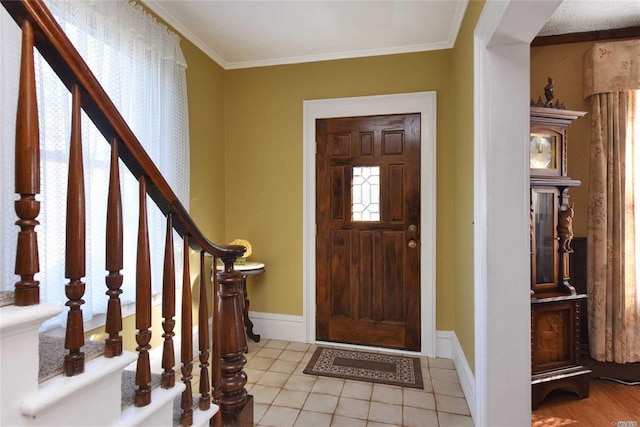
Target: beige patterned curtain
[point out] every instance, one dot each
(611, 80)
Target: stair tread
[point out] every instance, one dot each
(52, 352)
(56, 390)
(177, 410)
(7, 298)
(129, 386)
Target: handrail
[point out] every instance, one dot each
(66, 62)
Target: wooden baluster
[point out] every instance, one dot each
(203, 339)
(232, 343)
(114, 263)
(216, 370)
(27, 176)
(168, 308)
(143, 303)
(186, 345)
(75, 244)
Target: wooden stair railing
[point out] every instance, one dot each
(226, 343)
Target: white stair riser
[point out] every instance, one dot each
(19, 357)
(97, 404)
(88, 399)
(158, 413)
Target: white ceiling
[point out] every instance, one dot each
(577, 16)
(242, 34)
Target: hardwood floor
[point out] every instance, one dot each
(609, 404)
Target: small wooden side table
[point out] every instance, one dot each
(248, 269)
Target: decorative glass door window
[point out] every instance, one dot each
(365, 193)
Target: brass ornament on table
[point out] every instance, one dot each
(246, 244)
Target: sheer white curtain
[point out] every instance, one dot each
(139, 63)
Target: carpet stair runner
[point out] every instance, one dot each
(35, 393)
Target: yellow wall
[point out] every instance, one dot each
(205, 91)
(564, 63)
(246, 161)
(462, 195)
(264, 161)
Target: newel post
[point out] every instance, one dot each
(235, 404)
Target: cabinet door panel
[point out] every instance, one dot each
(544, 269)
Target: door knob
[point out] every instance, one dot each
(413, 244)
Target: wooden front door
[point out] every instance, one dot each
(368, 230)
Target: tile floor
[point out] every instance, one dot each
(285, 397)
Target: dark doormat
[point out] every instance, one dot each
(357, 365)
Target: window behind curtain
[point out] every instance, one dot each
(141, 67)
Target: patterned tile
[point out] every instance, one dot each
(273, 379)
(291, 398)
(300, 382)
(387, 394)
(313, 419)
(300, 368)
(277, 344)
(340, 421)
(332, 386)
(416, 417)
(353, 408)
(357, 390)
(268, 353)
(321, 403)
(418, 399)
(454, 420)
(278, 416)
(441, 363)
(454, 405)
(447, 388)
(254, 346)
(253, 375)
(283, 366)
(385, 413)
(264, 394)
(444, 375)
(291, 356)
(298, 346)
(285, 397)
(258, 411)
(261, 363)
(376, 424)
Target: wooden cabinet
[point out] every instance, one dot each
(555, 304)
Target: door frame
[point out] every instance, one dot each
(502, 319)
(415, 102)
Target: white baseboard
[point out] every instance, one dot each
(444, 344)
(448, 346)
(278, 326)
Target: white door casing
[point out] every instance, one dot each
(501, 181)
(417, 102)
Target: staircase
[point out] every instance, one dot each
(90, 391)
(94, 398)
